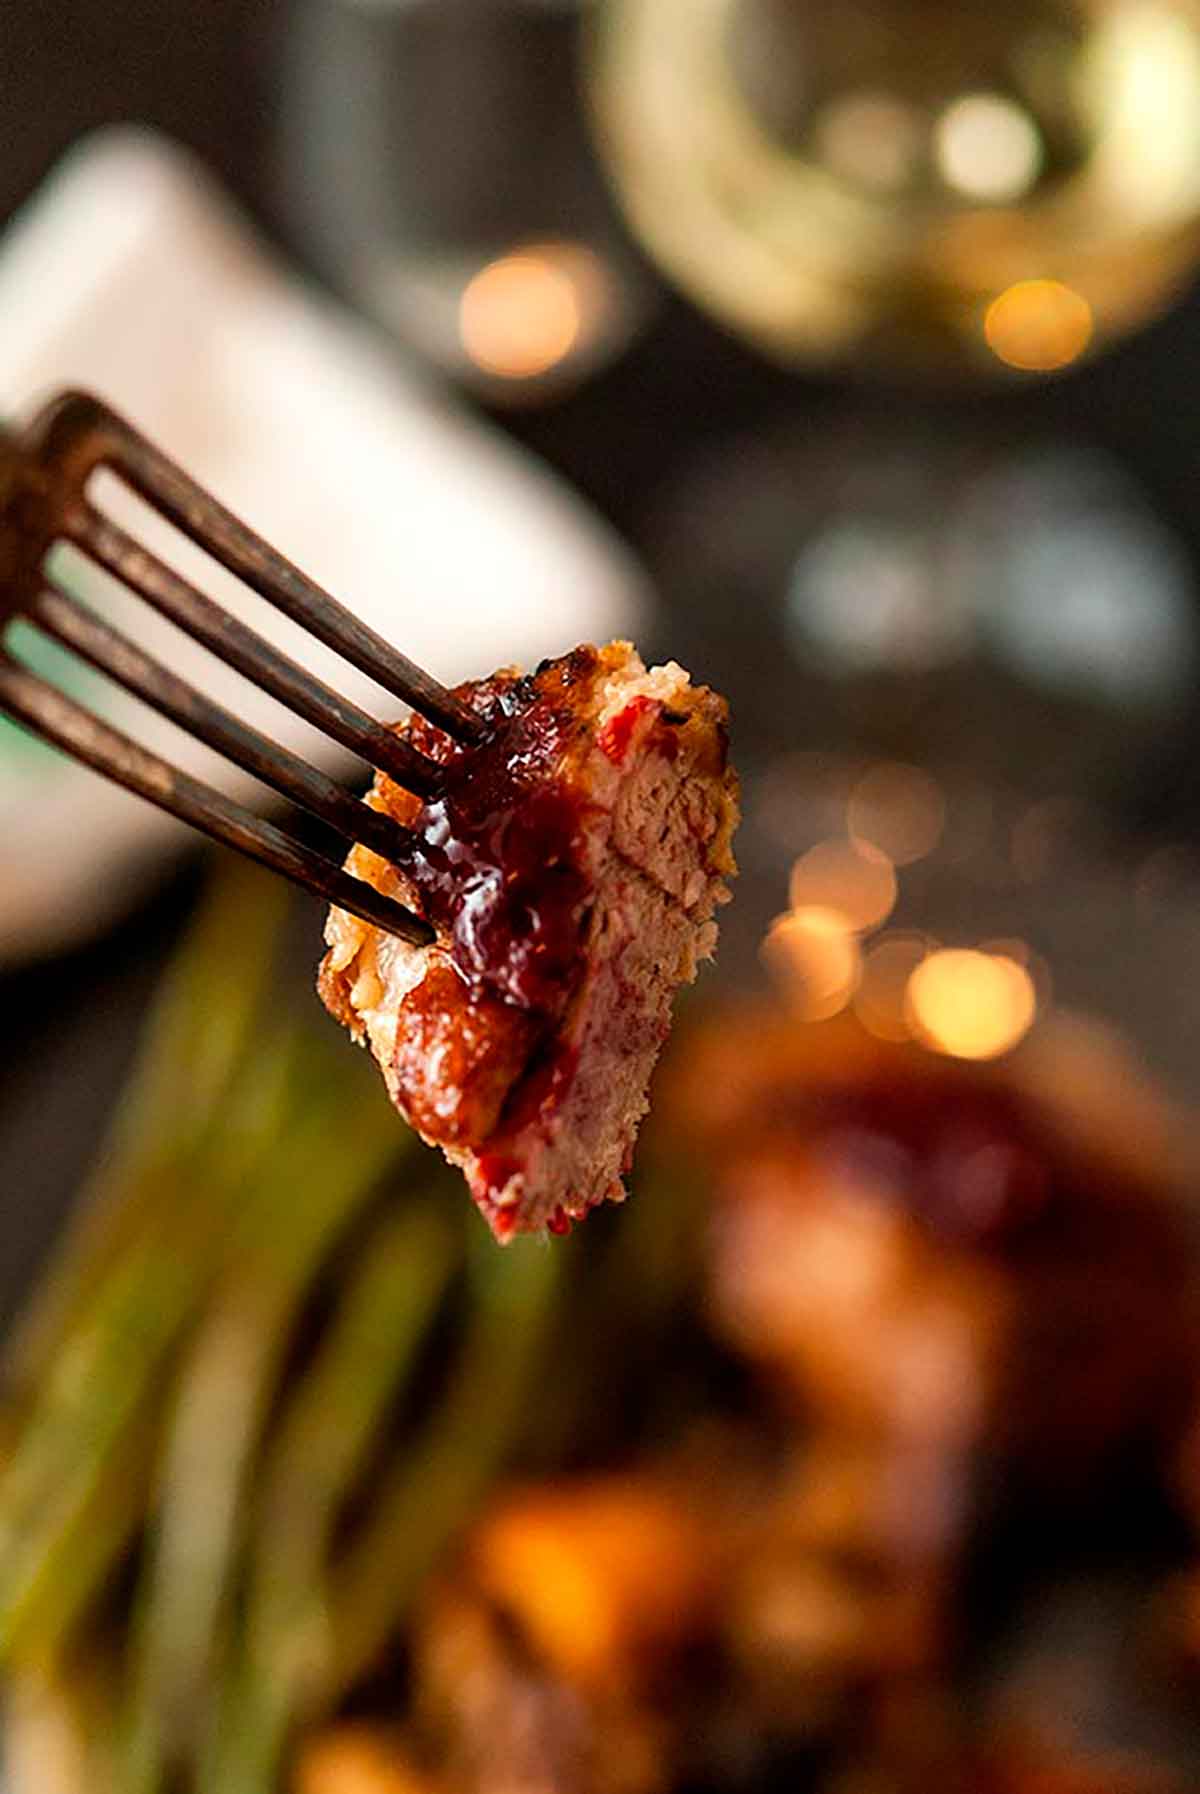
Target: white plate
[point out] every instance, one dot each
(130, 274)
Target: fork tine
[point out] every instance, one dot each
(48, 713)
(220, 533)
(239, 647)
(79, 629)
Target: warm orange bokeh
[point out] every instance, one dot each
(520, 315)
(969, 1004)
(1038, 325)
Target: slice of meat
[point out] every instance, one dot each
(571, 867)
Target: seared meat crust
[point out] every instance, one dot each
(571, 867)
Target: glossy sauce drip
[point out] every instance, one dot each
(497, 855)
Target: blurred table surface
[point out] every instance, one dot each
(206, 71)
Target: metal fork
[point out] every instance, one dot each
(44, 477)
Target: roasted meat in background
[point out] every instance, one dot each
(972, 1292)
(949, 1257)
(962, 1294)
(966, 1300)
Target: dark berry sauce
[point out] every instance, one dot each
(497, 856)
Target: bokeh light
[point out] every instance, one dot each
(522, 314)
(987, 147)
(1038, 325)
(853, 878)
(881, 1000)
(899, 810)
(814, 955)
(970, 1004)
(1038, 968)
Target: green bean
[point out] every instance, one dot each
(316, 1182)
(107, 1371)
(326, 1433)
(436, 1481)
(200, 1028)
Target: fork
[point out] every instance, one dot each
(45, 472)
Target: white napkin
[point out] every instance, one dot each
(129, 273)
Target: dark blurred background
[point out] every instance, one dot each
(714, 461)
(711, 459)
(875, 338)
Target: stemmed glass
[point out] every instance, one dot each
(909, 183)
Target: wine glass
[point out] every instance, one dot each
(909, 183)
